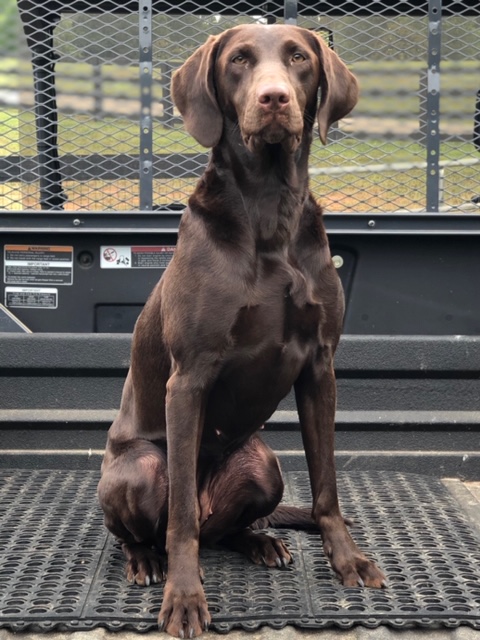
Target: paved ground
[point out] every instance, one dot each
(468, 497)
(289, 633)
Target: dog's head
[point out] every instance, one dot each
(266, 78)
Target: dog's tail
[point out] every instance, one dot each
(286, 517)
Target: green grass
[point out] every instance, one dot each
(380, 192)
(120, 81)
(81, 134)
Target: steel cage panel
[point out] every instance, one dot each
(94, 128)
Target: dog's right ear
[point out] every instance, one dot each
(193, 92)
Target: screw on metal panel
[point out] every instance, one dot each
(371, 223)
(77, 222)
(337, 262)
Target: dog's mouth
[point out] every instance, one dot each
(272, 135)
(274, 128)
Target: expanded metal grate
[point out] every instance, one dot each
(59, 568)
(103, 69)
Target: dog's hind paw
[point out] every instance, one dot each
(144, 565)
(261, 548)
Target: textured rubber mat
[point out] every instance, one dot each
(59, 568)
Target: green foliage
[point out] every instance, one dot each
(9, 24)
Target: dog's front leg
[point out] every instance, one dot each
(184, 612)
(315, 392)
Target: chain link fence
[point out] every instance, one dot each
(87, 122)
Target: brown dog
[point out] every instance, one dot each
(250, 306)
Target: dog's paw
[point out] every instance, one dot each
(359, 571)
(144, 565)
(353, 567)
(264, 549)
(184, 612)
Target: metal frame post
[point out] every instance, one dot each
(290, 11)
(146, 122)
(38, 25)
(433, 176)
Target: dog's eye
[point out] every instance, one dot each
(298, 57)
(239, 59)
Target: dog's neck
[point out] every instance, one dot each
(266, 188)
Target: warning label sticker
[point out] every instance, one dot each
(37, 265)
(124, 257)
(31, 297)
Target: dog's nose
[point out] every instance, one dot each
(273, 97)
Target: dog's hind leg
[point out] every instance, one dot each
(247, 486)
(133, 493)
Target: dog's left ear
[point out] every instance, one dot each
(339, 89)
(193, 92)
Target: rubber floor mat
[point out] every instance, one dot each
(59, 569)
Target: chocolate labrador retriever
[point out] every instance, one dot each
(249, 307)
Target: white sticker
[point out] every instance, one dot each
(38, 265)
(31, 298)
(136, 257)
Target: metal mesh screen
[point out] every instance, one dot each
(87, 121)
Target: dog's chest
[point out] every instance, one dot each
(275, 324)
(270, 346)
(277, 330)
(280, 309)
(270, 341)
